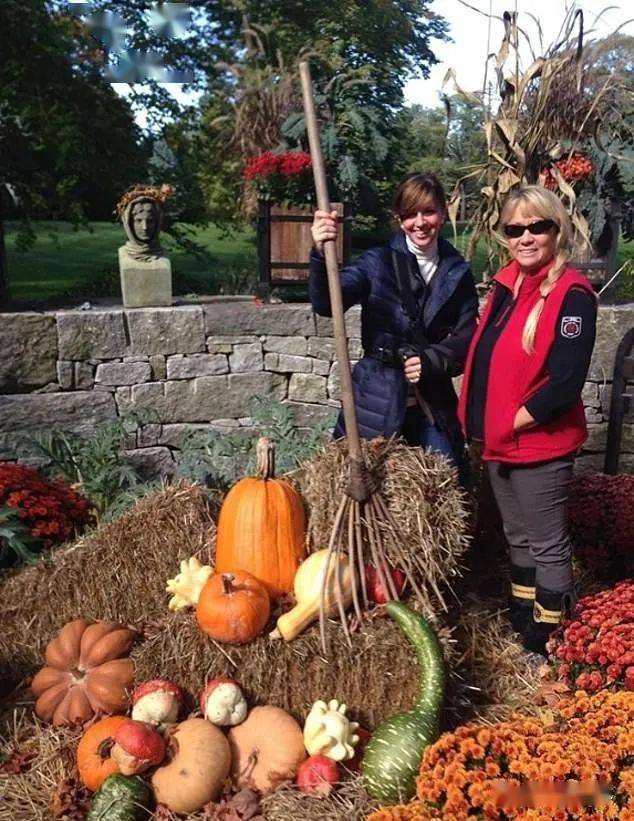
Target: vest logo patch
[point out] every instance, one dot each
(571, 327)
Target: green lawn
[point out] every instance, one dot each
(83, 262)
(65, 261)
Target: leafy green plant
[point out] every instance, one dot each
(93, 464)
(15, 539)
(219, 459)
(128, 497)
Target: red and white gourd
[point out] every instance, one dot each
(157, 702)
(223, 703)
(137, 747)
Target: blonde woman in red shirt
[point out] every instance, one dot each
(521, 398)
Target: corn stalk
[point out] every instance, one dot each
(265, 92)
(541, 109)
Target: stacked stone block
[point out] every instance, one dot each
(197, 366)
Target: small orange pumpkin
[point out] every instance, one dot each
(261, 527)
(93, 752)
(233, 607)
(85, 672)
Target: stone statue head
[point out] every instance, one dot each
(141, 220)
(140, 210)
(144, 220)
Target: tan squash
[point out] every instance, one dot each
(261, 527)
(86, 672)
(266, 749)
(199, 760)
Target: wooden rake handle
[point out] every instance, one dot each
(332, 268)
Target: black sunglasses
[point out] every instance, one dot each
(539, 227)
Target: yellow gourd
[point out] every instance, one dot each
(307, 587)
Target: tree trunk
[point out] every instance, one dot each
(4, 271)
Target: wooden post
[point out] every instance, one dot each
(264, 250)
(5, 297)
(620, 401)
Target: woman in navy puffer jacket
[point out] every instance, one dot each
(419, 308)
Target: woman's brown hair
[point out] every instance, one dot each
(417, 190)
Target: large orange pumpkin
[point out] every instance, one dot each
(261, 527)
(85, 672)
(93, 752)
(233, 607)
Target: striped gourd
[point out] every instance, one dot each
(393, 755)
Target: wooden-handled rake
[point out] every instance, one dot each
(363, 519)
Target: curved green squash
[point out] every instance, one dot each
(393, 755)
(121, 798)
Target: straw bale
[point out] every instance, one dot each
(25, 796)
(376, 677)
(117, 571)
(349, 803)
(499, 677)
(422, 493)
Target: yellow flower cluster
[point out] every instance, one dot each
(159, 194)
(530, 769)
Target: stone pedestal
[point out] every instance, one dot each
(145, 284)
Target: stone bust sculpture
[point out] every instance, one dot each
(146, 273)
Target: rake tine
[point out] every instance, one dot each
(384, 510)
(339, 591)
(324, 584)
(352, 560)
(358, 536)
(375, 522)
(379, 561)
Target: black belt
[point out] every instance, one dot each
(388, 356)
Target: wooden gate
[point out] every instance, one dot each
(621, 404)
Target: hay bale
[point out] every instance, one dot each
(349, 803)
(375, 677)
(26, 796)
(116, 572)
(498, 677)
(422, 493)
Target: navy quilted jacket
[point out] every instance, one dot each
(447, 318)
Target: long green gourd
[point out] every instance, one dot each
(393, 755)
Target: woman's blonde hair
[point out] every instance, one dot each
(539, 202)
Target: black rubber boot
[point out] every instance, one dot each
(550, 607)
(522, 599)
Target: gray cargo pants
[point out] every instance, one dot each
(533, 502)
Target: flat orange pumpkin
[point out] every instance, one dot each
(87, 671)
(261, 527)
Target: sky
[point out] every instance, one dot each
(469, 31)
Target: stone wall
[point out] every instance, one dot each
(198, 365)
